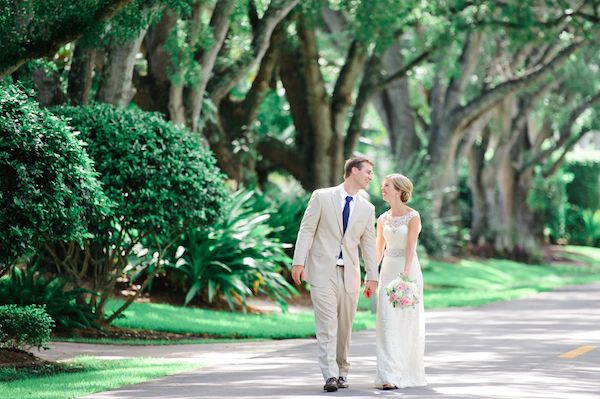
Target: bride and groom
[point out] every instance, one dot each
(336, 223)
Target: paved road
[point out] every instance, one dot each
(501, 350)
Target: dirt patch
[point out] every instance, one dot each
(19, 359)
(127, 333)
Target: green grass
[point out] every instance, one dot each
(465, 283)
(86, 375)
(167, 318)
(476, 282)
(147, 342)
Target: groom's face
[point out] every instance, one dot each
(363, 175)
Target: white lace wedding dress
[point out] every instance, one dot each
(400, 332)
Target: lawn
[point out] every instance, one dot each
(176, 319)
(86, 375)
(465, 283)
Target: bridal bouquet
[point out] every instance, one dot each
(402, 292)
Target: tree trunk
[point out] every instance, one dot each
(450, 123)
(152, 90)
(393, 107)
(116, 85)
(80, 75)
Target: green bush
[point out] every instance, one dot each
(48, 189)
(162, 180)
(61, 301)
(159, 175)
(548, 196)
(235, 258)
(24, 327)
(285, 210)
(583, 190)
(582, 226)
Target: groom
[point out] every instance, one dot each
(336, 222)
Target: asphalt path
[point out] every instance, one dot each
(546, 346)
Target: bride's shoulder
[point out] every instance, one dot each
(383, 216)
(413, 213)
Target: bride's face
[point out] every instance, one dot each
(387, 190)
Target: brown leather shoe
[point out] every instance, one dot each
(331, 384)
(342, 382)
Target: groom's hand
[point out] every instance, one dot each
(370, 288)
(297, 273)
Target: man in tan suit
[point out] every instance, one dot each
(336, 222)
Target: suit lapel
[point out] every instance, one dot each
(337, 206)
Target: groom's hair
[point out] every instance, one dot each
(355, 162)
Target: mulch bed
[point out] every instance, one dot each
(127, 333)
(19, 359)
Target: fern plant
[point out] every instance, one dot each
(63, 303)
(235, 258)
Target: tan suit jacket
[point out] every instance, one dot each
(321, 237)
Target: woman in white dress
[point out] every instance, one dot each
(400, 331)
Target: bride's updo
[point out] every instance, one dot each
(402, 184)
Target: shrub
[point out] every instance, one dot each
(548, 196)
(285, 210)
(583, 190)
(62, 303)
(24, 327)
(582, 226)
(48, 189)
(162, 180)
(235, 258)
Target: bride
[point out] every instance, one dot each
(400, 331)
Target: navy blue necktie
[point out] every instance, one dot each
(345, 217)
(346, 213)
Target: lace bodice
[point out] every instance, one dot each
(395, 232)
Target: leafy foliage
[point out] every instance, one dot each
(31, 287)
(235, 258)
(583, 191)
(48, 188)
(161, 178)
(549, 196)
(286, 211)
(24, 327)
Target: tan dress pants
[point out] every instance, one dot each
(334, 313)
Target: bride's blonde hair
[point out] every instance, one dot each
(401, 183)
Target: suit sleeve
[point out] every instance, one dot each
(367, 246)
(308, 227)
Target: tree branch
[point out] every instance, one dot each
(283, 156)
(565, 134)
(405, 69)
(260, 85)
(344, 85)
(461, 116)
(219, 22)
(468, 61)
(277, 10)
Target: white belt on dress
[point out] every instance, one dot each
(394, 252)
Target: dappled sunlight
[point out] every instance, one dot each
(496, 351)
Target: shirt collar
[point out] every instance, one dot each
(344, 194)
